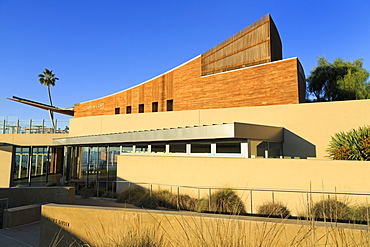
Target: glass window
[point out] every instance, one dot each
(128, 109)
(170, 105)
(141, 148)
(201, 148)
(230, 147)
(158, 148)
(141, 108)
(178, 148)
(127, 148)
(155, 107)
(117, 110)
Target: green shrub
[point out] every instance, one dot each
(275, 209)
(222, 201)
(360, 213)
(109, 194)
(132, 194)
(86, 192)
(351, 145)
(140, 197)
(331, 209)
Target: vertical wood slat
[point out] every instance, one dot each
(255, 43)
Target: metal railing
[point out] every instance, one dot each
(33, 126)
(251, 196)
(4, 205)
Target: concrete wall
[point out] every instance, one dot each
(285, 174)
(65, 224)
(308, 127)
(32, 195)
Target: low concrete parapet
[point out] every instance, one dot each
(23, 215)
(21, 196)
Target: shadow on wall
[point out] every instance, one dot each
(54, 232)
(296, 146)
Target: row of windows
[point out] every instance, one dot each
(182, 148)
(169, 107)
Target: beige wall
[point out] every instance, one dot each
(284, 174)
(308, 127)
(6, 149)
(5, 165)
(102, 226)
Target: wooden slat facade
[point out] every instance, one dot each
(256, 44)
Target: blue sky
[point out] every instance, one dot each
(97, 48)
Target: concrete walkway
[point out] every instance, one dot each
(22, 236)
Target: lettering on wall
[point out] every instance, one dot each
(94, 106)
(59, 222)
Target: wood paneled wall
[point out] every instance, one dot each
(256, 44)
(273, 83)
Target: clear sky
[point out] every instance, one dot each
(99, 47)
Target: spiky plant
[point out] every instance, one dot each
(351, 145)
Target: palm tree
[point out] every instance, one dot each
(47, 78)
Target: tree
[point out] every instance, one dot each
(340, 80)
(47, 78)
(351, 145)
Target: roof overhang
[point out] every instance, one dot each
(66, 111)
(208, 132)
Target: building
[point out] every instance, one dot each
(236, 103)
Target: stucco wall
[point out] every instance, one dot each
(308, 127)
(285, 174)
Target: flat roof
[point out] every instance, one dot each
(234, 130)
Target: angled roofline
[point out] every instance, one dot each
(66, 111)
(168, 71)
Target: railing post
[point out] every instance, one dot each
(308, 205)
(18, 128)
(209, 201)
(97, 188)
(5, 215)
(30, 125)
(151, 190)
(178, 198)
(251, 195)
(273, 196)
(4, 123)
(43, 126)
(129, 190)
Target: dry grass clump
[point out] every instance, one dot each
(222, 201)
(331, 209)
(141, 197)
(273, 209)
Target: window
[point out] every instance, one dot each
(178, 148)
(128, 109)
(126, 148)
(155, 107)
(117, 110)
(141, 148)
(158, 148)
(141, 108)
(227, 148)
(201, 148)
(170, 105)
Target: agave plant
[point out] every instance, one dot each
(351, 145)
